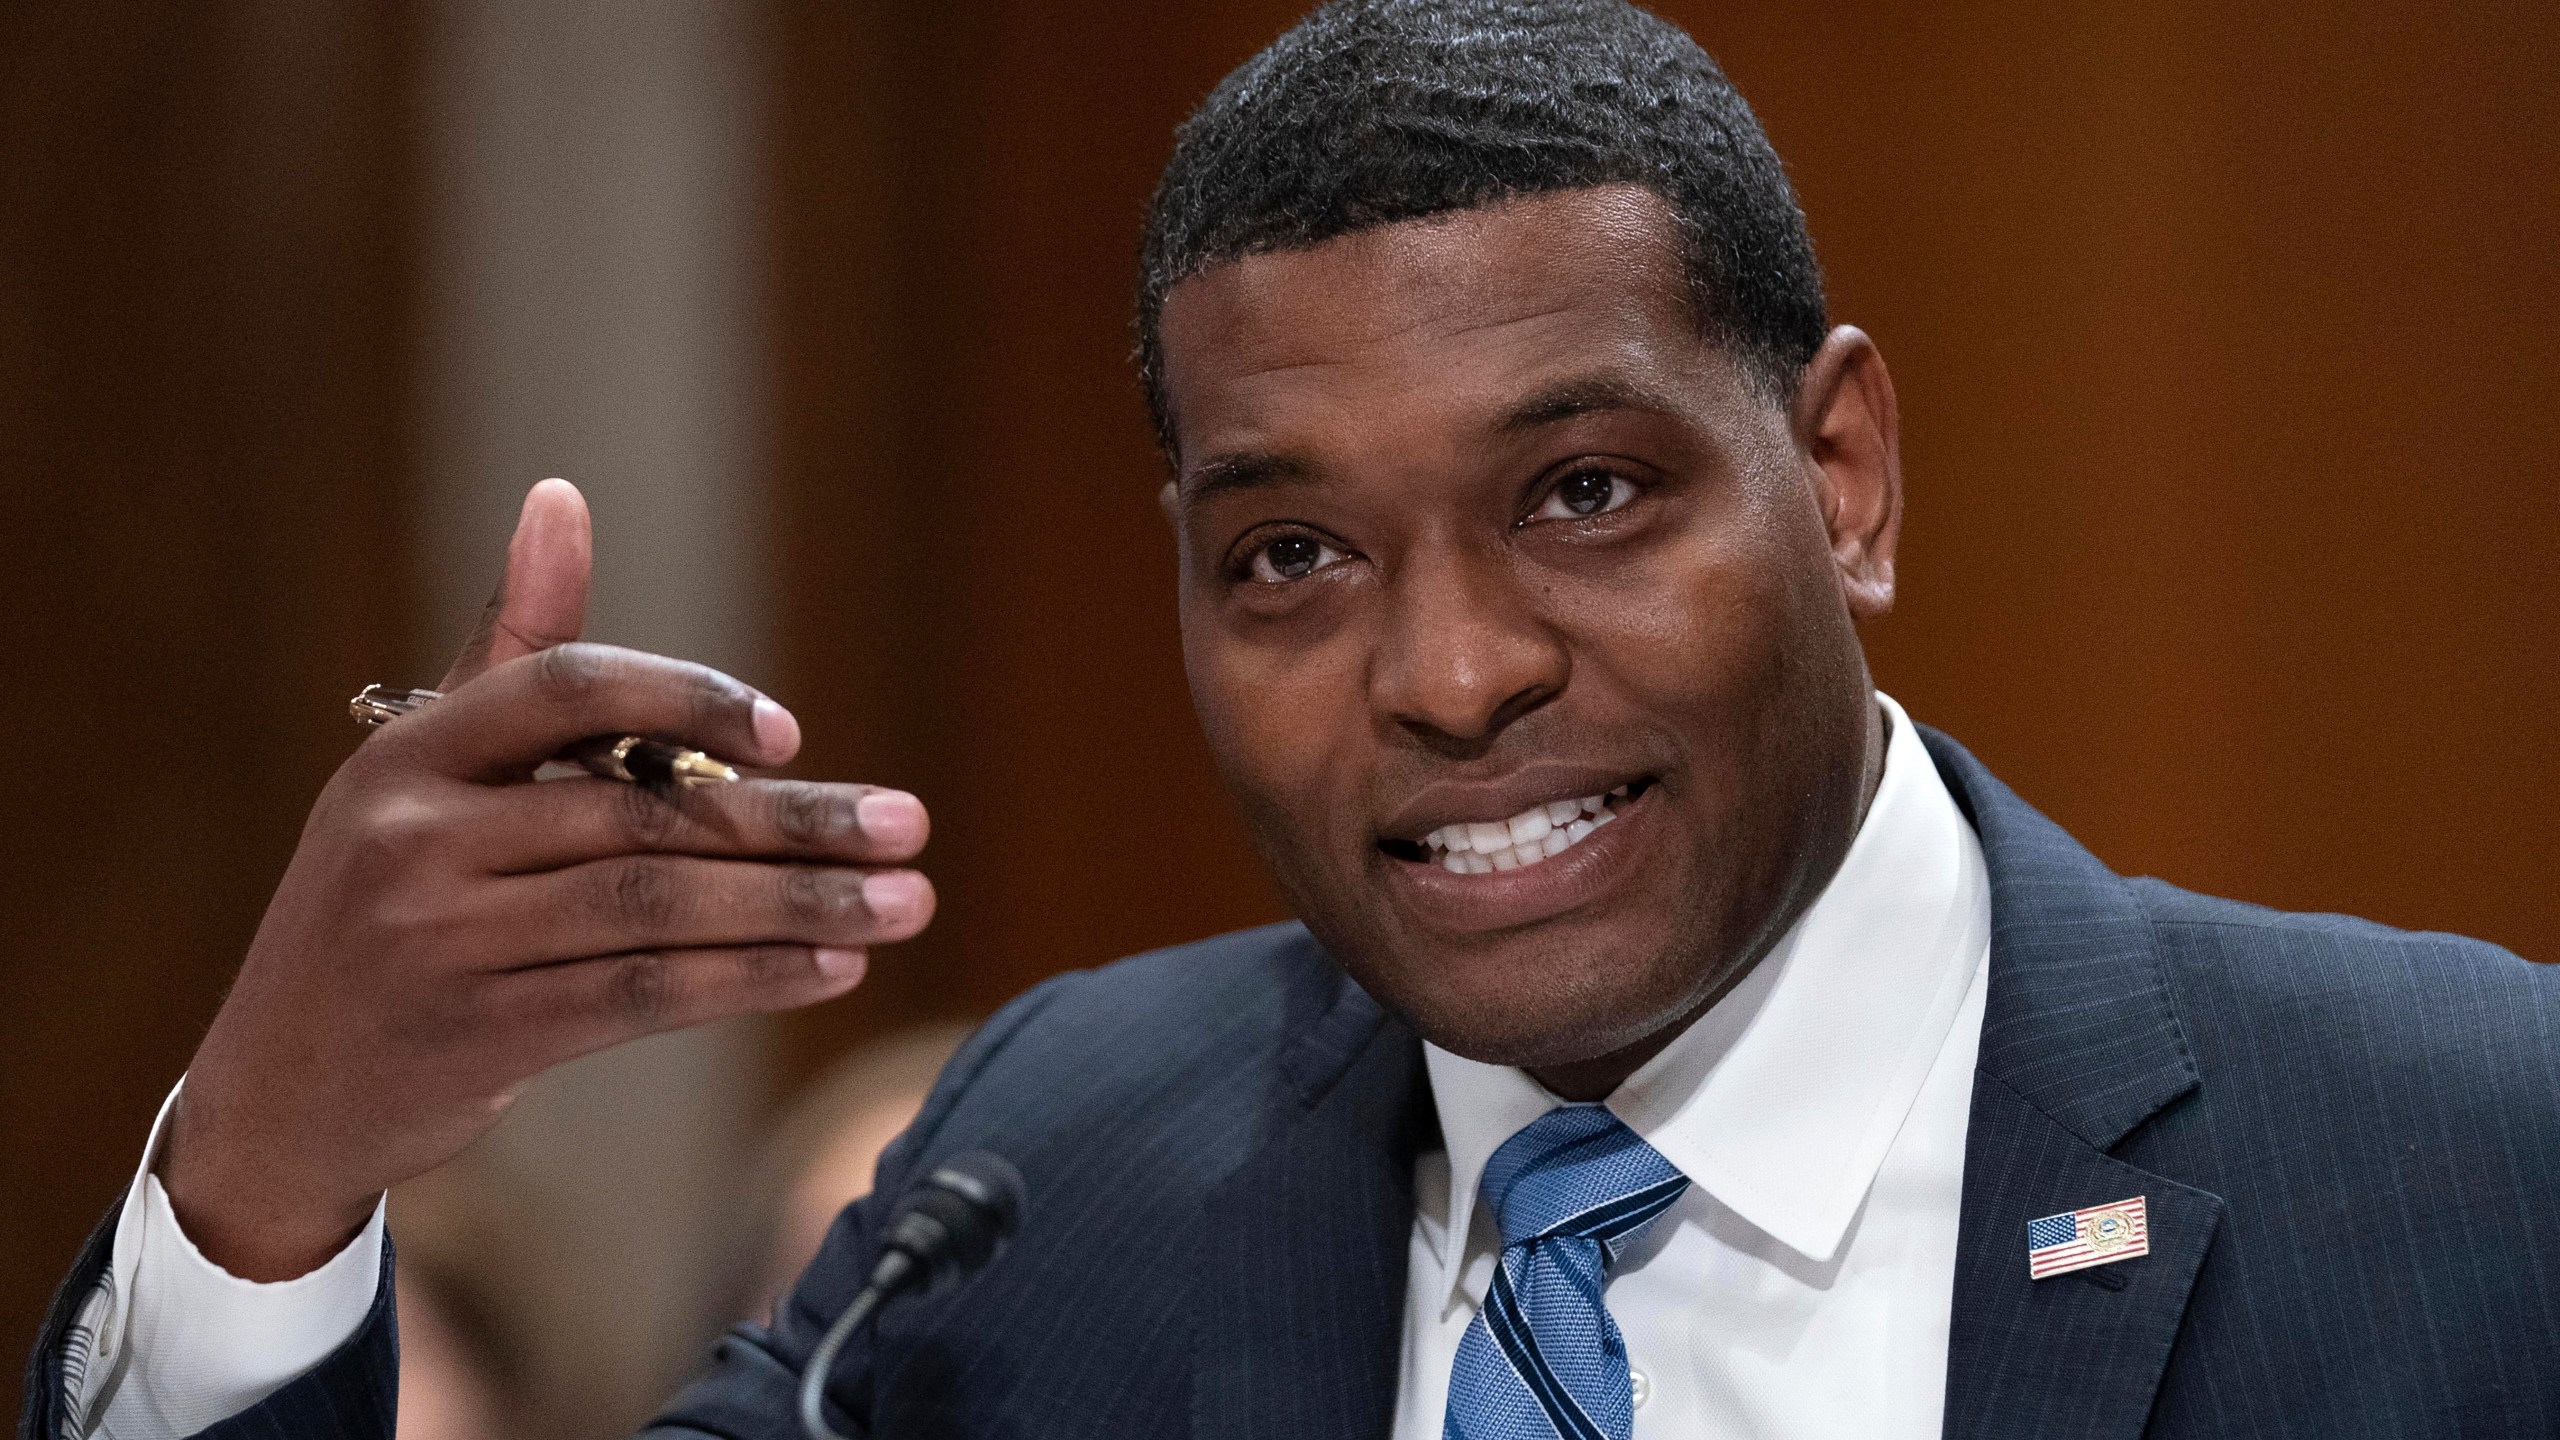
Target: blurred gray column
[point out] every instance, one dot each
(593, 234)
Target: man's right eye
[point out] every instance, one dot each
(1292, 557)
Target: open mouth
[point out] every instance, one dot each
(1532, 837)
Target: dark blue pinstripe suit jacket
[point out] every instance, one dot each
(2349, 1137)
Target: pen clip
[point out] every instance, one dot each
(380, 704)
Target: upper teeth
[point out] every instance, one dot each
(1478, 846)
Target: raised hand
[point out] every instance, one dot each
(447, 929)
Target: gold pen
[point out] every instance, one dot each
(632, 759)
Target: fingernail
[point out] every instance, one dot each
(776, 732)
(893, 894)
(840, 964)
(891, 817)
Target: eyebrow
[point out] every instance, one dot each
(1245, 470)
(1589, 395)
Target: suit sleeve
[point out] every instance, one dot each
(751, 1391)
(150, 1340)
(350, 1395)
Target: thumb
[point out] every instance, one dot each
(542, 597)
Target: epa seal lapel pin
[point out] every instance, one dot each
(2078, 1239)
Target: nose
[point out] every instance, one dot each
(1465, 653)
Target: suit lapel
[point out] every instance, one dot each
(1300, 1326)
(2077, 1354)
(2080, 1045)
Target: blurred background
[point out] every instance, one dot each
(2225, 337)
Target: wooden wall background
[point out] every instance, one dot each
(2225, 337)
(204, 438)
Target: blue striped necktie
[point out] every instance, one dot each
(1542, 1360)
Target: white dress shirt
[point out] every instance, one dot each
(1801, 1286)
(169, 1342)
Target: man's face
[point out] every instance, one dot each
(1519, 623)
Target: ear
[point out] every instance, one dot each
(1165, 502)
(1847, 428)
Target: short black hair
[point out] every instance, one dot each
(1368, 112)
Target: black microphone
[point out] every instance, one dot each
(952, 1222)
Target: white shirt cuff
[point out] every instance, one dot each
(177, 1343)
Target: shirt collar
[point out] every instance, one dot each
(1783, 1098)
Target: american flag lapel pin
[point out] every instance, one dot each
(2078, 1239)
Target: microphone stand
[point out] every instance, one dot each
(813, 1380)
(947, 1227)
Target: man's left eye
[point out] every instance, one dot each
(1583, 494)
(1291, 557)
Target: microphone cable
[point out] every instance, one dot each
(948, 1226)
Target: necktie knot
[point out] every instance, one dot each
(1542, 1360)
(1578, 1172)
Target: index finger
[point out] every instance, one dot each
(504, 724)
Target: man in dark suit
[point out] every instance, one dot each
(1678, 1039)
